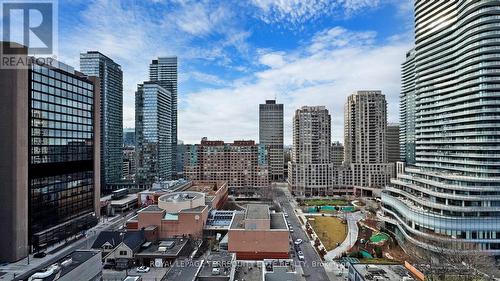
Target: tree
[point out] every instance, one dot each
(453, 261)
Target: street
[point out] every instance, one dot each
(312, 264)
(21, 270)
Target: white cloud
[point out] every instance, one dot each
(133, 34)
(273, 60)
(297, 12)
(308, 76)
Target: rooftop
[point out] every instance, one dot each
(180, 196)
(257, 212)
(278, 221)
(381, 272)
(164, 248)
(248, 271)
(71, 261)
(209, 188)
(223, 261)
(182, 270)
(151, 208)
(124, 200)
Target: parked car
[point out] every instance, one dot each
(286, 215)
(300, 255)
(298, 241)
(291, 229)
(39, 255)
(142, 269)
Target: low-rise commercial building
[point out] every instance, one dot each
(259, 234)
(178, 214)
(218, 266)
(379, 272)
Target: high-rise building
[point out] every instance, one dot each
(451, 197)
(392, 136)
(50, 166)
(407, 109)
(243, 164)
(94, 63)
(153, 133)
(128, 136)
(129, 162)
(163, 71)
(310, 171)
(271, 135)
(365, 151)
(365, 124)
(181, 153)
(337, 153)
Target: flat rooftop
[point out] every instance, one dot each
(249, 271)
(384, 272)
(208, 188)
(180, 196)
(172, 248)
(124, 200)
(151, 208)
(257, 212)
(221, 260)
(184, 269)
(278, 221)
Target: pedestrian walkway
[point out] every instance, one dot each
(351, 238)
(57, 251)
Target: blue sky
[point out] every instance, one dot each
(235, 54)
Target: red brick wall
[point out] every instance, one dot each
(259, 243)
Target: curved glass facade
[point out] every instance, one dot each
(452, 194)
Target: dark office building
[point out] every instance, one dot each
(110, 74)
(50, 166)
(163, 71)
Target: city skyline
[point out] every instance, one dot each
(239, 65)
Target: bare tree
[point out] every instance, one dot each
(449, 261)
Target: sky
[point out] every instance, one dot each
(235, 54)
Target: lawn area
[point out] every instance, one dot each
(330, 231)
(325, 202)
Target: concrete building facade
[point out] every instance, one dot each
(450, 198)
(337, 154)
(393, 147)
(407, 109)
(310, 171)
(365, 135)
(50, 164)
(271, 135)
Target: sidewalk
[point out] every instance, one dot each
(21, 267)
(351, 238)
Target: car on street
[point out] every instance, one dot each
(142, 269)
(298, 241)
(300, 255)
(39, 255)
(286, 215)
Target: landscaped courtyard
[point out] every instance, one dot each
(325, 202)
(330, 230)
